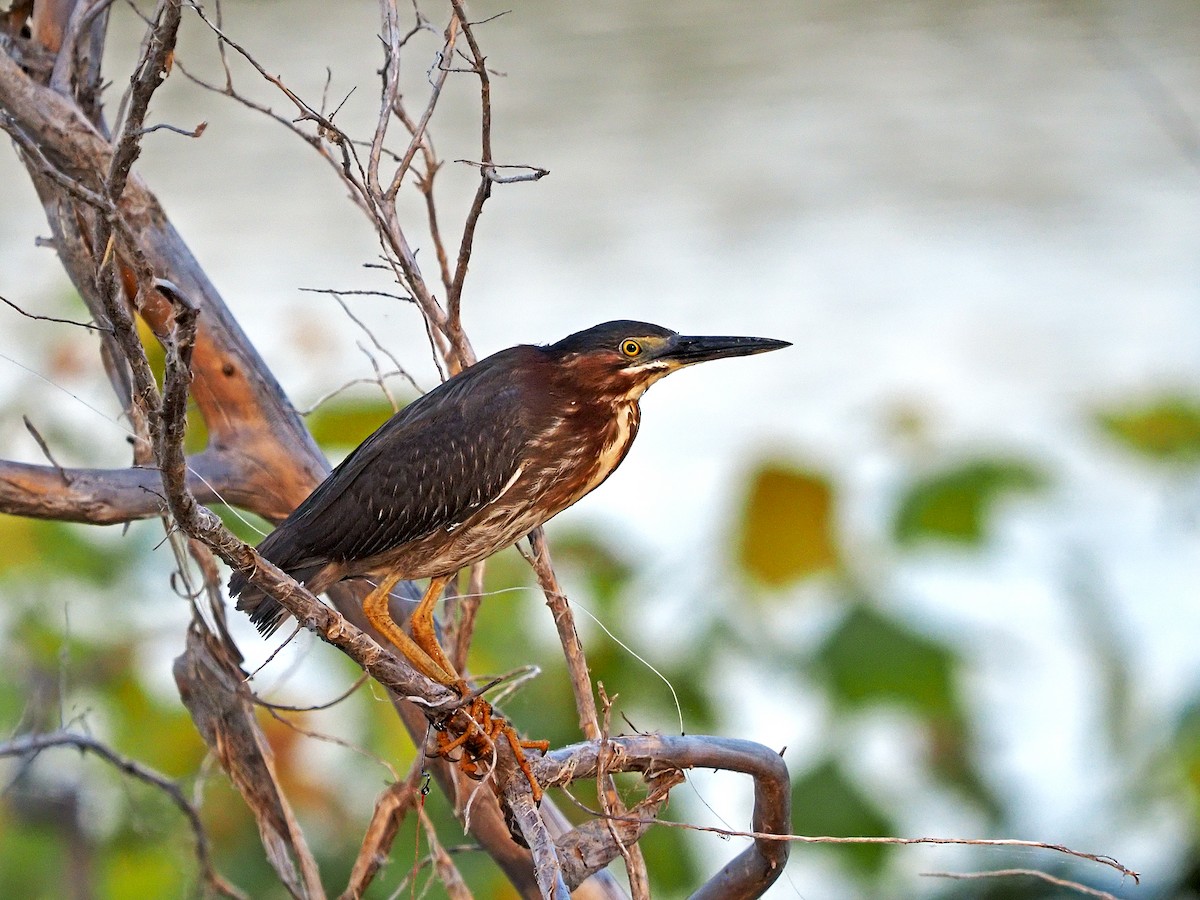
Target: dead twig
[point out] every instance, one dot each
(391, 807)
(45, 448)
(568, 636)
(1025, 873)
(610, 803)
(89, 325)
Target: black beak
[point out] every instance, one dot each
(687, 350)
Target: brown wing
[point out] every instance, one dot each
(430, 466)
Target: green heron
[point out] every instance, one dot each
(473, 466)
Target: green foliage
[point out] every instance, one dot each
(1166, 428)
(674, 869)
(825, 801)
(873, 659)
(954, 504)
(1187, 746)
(34, 859)
(787, 528)
(145, 868)
(33, 548)
(605, 572)
(345, 421)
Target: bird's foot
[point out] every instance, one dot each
(478, 743)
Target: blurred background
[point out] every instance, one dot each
(945, 550)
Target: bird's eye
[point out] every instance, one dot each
(630, 347)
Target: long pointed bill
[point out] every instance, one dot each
(686, 350)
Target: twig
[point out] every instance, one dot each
(152, 71)
(568, 637)
(45, 448)
(89, 325)
(353, 382)
(443, 865)
(335, 740)
(610, 803)
(418, 130)
(193, 133)
(329, 704)
(29, 744)
(482, 192)
(70, 185)
(339, 297)
(1030, 873)
(391, 807)
(532, 173)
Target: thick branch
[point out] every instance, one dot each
(114, 496)
(757, 867)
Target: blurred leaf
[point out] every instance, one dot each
(954, 762)
(787, 526)
(20, 539)
(607, 573)
(163, 737)
(1187, 745)
(345, 422)
(871, 659)
(1167, 428)
(34, 857)
(195, 438)
(826, 802)
(954, 504)
(147, 868)
(155, 355)
(33, 546)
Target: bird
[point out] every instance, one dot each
(471, 467)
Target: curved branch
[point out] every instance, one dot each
(754, 869)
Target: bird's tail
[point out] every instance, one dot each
(280, 547)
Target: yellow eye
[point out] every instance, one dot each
(630, 347)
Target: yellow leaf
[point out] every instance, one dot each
(787, 526)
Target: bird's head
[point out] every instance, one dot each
(624, 358)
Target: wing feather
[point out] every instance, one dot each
(423, 470)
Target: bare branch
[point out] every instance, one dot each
(211, 687)
(545, 861)
(390, 809)
(329, 704)
(489, 171)
(748, 874)
(614, 809)
(568, 636)
(116, 496)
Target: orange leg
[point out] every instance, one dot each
(425, 635)
(428, 658)
(518, 750)
(377, 611)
